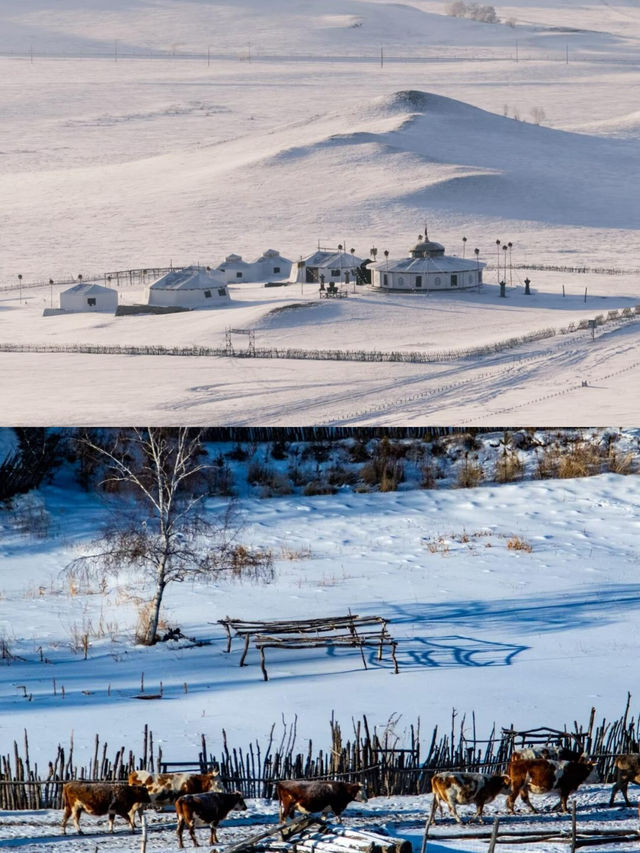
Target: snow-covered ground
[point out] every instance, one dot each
(233, 128)
(400, 817)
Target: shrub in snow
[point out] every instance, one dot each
(474, 11)
(470, 474)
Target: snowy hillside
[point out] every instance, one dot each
(146, 134)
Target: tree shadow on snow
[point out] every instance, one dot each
(590, 608)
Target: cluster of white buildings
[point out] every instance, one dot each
(427, 268)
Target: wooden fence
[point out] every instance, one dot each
(407, 357)
(388, 762)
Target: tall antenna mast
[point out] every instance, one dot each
(426, 235)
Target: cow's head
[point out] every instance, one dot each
(240, 805)
(361, 795)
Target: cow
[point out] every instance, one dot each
(112, 798)
(553, 751)
(317, 796)
(627, 770)
(211, 807)
(542, 775)
(465, 788)
(165, 788)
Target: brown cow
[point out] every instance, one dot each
(465, 788)
(542, 775)
(112, 798)
(317, 796)
(211, 807)
(165, 788)
(627, 770)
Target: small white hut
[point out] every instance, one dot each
(191, 287)
(233, 268)
(270, 266)
(427, 268)
(328, 265)
(89, 297)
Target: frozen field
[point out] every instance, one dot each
(236, 128)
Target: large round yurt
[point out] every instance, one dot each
(426, 269)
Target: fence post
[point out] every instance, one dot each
(494, 835)
(143, 840)
(573, 826)
(427, 824)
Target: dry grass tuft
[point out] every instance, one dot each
(516, 543)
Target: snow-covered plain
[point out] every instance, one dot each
(239, 127)
(514, 636)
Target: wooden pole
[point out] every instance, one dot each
(427, 824)
(494, 835)
(143, 840)
(573, 826)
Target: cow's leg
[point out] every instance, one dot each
(512, 796)
(434, 808)
(214, 835)
(478, 815)
(77, 811)
(614, 791)
(524, 796)
(131, 816)
(452, 807)
(179, 830)
(65, 817)
(623, 787)
(191, 827)
(112, 817)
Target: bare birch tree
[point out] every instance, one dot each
(172, 539)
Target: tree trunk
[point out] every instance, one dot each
(151, 629)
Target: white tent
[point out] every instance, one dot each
(328, 265)
(191, 287)
(233, 268)
(270, 266)
(89, 297)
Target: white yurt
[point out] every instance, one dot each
(328, 265)
(427, 268)
(233, 268)
(271, 266)
(89, 297)
(190, 287)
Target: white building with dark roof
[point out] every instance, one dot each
(427, 268)
(89, 297)
(328, 266)
(190, 287)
